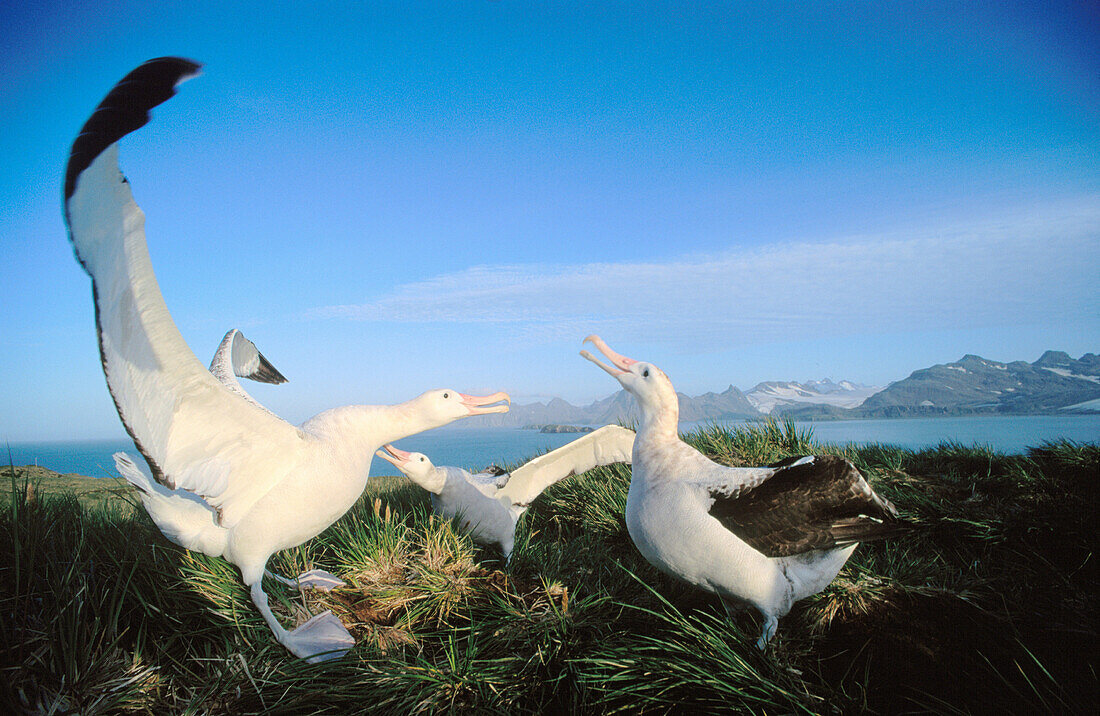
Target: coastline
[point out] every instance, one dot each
(474, 447)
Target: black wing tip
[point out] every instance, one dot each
(186, 67)
(126, 108)
(267, 373)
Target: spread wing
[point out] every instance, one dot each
(807, 503)
(607, 445)
(238, 356)
(193, 432)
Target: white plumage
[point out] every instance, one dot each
(265, 485)
(488, 506)
(766, 536)
(184, 517)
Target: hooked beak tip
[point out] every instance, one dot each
(488, 404)
(392, 455)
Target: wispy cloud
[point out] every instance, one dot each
(1027, 268)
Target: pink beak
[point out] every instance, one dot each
(621, 363)
(481, 405)
(393, 455)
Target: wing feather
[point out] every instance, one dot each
(237, 356)
(807, 503)
(192, 431)
(609, 444)
(249, 363)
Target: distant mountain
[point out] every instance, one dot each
(1054, 383)
(730, 404)
(777, 397)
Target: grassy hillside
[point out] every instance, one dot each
(33, 482)
(990, 605)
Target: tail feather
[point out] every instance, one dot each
(183, 517)
(132, 473)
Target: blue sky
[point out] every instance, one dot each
(391, 197)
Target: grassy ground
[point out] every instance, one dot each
(42, 482)
(990, 605)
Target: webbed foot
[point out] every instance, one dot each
(322, 638)
(320, 580)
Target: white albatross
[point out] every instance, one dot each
(264, 484)
(766, 536)
(182, 516)
(488, 505)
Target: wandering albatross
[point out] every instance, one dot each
(185, 518)
(264, 484)
(488, 505)
(768, 536)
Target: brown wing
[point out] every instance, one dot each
(816, 502)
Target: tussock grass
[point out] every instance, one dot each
(989, 605)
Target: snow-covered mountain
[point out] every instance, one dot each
(768, 396)
(1056, 383)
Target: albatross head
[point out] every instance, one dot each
(645, 381)
(441, 407)
(416, 466)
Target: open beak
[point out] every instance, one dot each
(620, 364)
(488, 404)
(391, 454)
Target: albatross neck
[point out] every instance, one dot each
(365, 428)
(660, 423)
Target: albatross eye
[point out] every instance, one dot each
(446, 395)
(421, 459)
(645, 373)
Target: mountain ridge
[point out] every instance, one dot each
(1054, 384)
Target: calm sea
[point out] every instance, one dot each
(478, 447)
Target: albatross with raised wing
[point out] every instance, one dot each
(264, 484)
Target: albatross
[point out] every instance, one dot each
(765, 536)
(183, 517)
(488, 505)
(258, 483)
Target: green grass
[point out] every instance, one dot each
(91, 492)
(990, 605)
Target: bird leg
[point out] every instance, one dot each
(771, 622)
(322, 638)
(733, 607)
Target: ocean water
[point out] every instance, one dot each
(474, 448)
(471, 448)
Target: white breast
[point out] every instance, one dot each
(668, 522)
